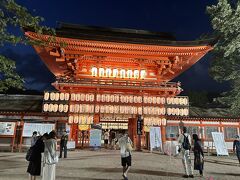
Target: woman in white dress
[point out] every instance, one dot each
(50, 157)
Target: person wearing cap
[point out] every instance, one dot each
(63, 144)
(236, 147)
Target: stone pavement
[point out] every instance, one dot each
(105, 164)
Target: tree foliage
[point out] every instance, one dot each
(225, 19)
(14, 16)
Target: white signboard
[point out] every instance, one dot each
(95, 137)
(71, 145)
(219, 143)
(7, 128)
(29, 128)
(155, 138)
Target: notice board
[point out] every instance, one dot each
(29, 128)
(220, 143)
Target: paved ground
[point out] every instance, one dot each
(105, 164)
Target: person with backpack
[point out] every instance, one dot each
(184, 141)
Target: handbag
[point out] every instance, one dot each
(29, 155)
(129, 147)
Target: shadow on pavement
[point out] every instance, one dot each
(221, 162)
(226, 174)
(135, 171)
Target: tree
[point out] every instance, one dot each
(225, 19)
(15, 16)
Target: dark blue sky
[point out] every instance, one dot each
(187, 20)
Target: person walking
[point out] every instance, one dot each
(198, 155)
(34, 138)
(34, 166)
(50, 157)
(106, 138)
(236, 147)
(63, 144)
(113, 140)
(184, 141)
(125, 145)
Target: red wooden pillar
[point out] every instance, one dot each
(96, 119)
(132, 131)
(163, 133)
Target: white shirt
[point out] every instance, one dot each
(122, 144)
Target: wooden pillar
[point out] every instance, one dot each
(132, 131)
(163, 133)
(96, 119)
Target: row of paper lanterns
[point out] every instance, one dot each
(178, 111)
(129, 99)
(80, 119)
(82, 97)
(56, 96)
(154, 121)
(121, 73)
(114, 125)
(177, 100)
(81, 108)
(55, 108)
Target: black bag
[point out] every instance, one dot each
(186, 144)
(29, 155)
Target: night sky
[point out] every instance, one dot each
(187, 20)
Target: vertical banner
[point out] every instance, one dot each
(219, 143)
(95, 138)
(155, 138)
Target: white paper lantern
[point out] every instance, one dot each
(107, 109)
(169, 111)
(111, 109)
(76, 119)
(78, 97)
(103, 98)
(163, 100)
(121, 109)
(158, 100)
(181, 101)
(163, 111)
(101, 72)
(108, 72)
(139, 110)
(181, 113)
(139, 100)
(97, 108)
(46, 96)
(154, 100)
(186, 112)
(173, 111)
(176, 100)
(129, 73)
(126, 109)
(185, 101)
(55, 108)
(102, 109)
(94, 71)
(145, 110)
(57, 95)
(112, 98)
(107, 98)
(60, 108)
(65, 108)
(116, 98)
(135, 99)
(126, 99)
(45, 107)
(82, 97)
(116, 109)
(145, 99)
(177, 111)
(87, 97)
(136, 74)
(122, 99)
(98, 97)
(72, 108)
(87, 108)
(52, 96)
(91, 97)
(77, 108)
(66, 96)
(50, 107)
(115, 73)
(62, 96)
(73, 97)
(70, 119)
(130, 99)
(149, 100)
(135, 110)
(143, 74)
(164, 122)
(122, 73)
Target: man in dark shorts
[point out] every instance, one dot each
(126, 157)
